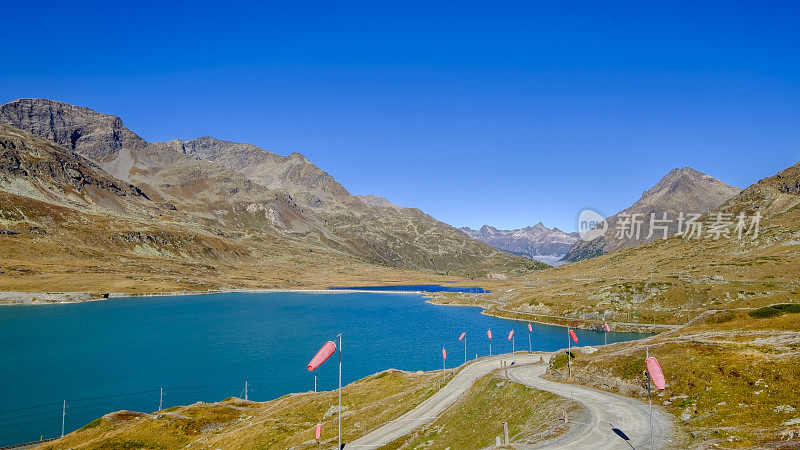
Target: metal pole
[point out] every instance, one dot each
(245, 389)
(569, 355)
(161, 400)
(63, 417)
(315, 384)
(530, 347)
(465, 349)
(340, 391)
(652, 445)
(513, 338)
(649, 401)
(444, 368)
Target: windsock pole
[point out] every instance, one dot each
(649, 401)
(569, 354)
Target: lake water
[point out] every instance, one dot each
(117, 354)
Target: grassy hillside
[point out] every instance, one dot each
(671, 281)
(732, 376)
(286, 422)
(289, 421)
(45, 247)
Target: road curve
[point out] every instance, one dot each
(603, 412)
(441, 400)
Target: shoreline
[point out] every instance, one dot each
(13, 298)
(492, 308)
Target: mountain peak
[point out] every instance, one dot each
(682, 190)
(102, 138)
(535, 242)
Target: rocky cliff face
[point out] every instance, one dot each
(769, 196)
(236, 189)
(99, 137)
(532, 242)
(683, 190)
(35, 167)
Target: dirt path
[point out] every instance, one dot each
(606, 421)
(606, 417)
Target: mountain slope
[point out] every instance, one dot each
(532, 242)
(235, 188)
(686, 191)
(671, 280)
(377, 202)
(35, 167)
(293, 174)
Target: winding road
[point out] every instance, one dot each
(609, 421)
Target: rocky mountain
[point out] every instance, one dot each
(773, 195)
(231, 190)
(682, 191)
(537, 242)
(672, 280)
(377, 202)
(35, 167)
(293, 174)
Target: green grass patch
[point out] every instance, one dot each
(775, 310)
(93, 424)
(561, 360)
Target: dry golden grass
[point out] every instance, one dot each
(663, 282)
(732, 380)
(286, 422)
(72, 251)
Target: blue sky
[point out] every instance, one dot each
(475, 113)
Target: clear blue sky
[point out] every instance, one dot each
(476, 114)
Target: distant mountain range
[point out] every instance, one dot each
(198, 199)
(685, 190)
(537, 242)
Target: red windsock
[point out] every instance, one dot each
(462, 336)
(654, 369)
(573, 336)
(511, 335)
(530, 328)
(605, 325)
(319, 431)
(444, 353)
(322, 355)
(489, 333)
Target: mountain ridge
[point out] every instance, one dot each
(237, 189)
(681, 190)
(535, 242)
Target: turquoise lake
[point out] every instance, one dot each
(116, 354)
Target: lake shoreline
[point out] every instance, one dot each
(10, 298)
(494, 309)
